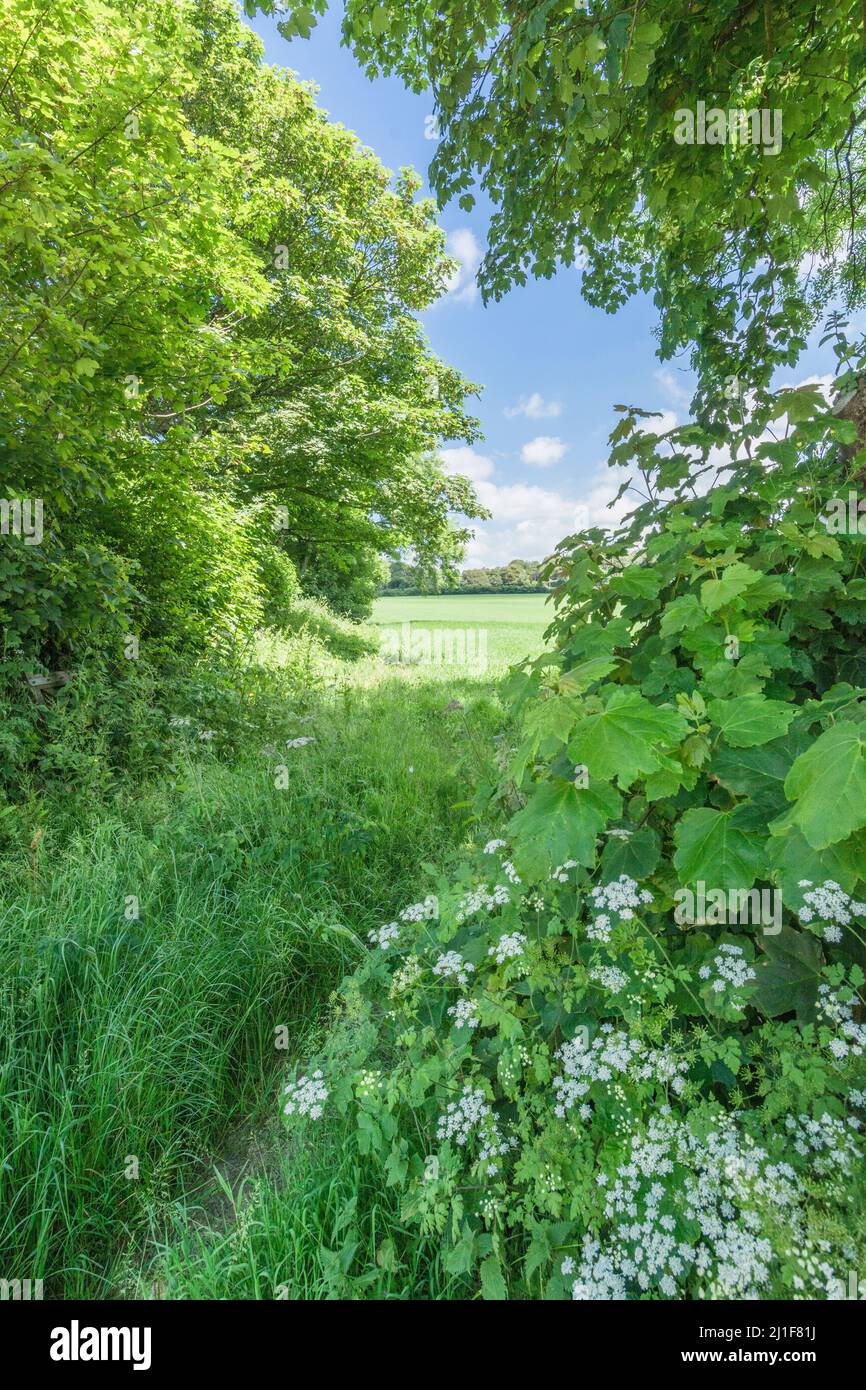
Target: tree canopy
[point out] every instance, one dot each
(210, 297)
(568, 117)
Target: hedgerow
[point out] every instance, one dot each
(578, 1083)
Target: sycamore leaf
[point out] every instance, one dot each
(713, 846)
(637, 855)
(788, 978)
(561, 821)
(751, 719)
(827, 783)
(625, 739)
(735, 580)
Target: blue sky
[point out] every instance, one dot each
(552, 367)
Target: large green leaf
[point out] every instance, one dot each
(636, 855)
(561, 821)
(624, 740)
(735, 579)
(751, 719)
(713, 846)
(788, 978)
(828, 785)
(792, 859)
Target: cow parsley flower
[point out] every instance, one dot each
(609, 977)
(307, 1096)
(493, 845)
(561, 871)
(421, 912)
(464, 1013)
(480, 899)
(508, 947)
(830, 904)
(452, 965)
(384, 936)
(839, 1014)
(621, 897)
(300, 742)
(732, 970)
(612, 1054)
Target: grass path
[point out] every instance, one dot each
(131, 1050)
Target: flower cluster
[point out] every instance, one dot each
(307, 1095)
(839, 1013)
(384, 936)
(827, 1141)
(493, 845)
(421, 912)
(714, 1187)
(451, 963)
(610, 977)
(560, 873)
(470, 1116)
(620, 898)
(732, 969)
(510, 872)
(480, 899)
(829, 903)
(407, 975)
(508, 947)
(300, 742)
(464, 1013)
(612, 1054)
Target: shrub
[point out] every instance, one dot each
(589, 1068)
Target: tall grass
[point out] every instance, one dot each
(129, 1049)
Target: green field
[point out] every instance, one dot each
(504, 627)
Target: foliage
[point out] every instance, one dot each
(347, 580)
(517, 577)
(601, 1066)
(156, 1036)
(210, 296)
(567, 115)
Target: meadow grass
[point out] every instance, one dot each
(131, 1050)
(513, 624)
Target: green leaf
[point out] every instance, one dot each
(712, 847)
(621, 741)
(788, 979)
(637, 856)
(751, 719)
(493, 1288)
(735, 580)
(828, 785)
(561, 821)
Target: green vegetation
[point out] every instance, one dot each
(559, 972)
(160, 957)
(501, 629)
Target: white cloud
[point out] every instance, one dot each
(463, 246)
(677, 393)
(543, 450)
(528, 521)
(461, 459)
(534, 407)
(659, 422)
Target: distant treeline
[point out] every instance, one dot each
(517, 577)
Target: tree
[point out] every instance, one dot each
(576, 121)
(205, 283)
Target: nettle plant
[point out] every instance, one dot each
(583, 1094)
